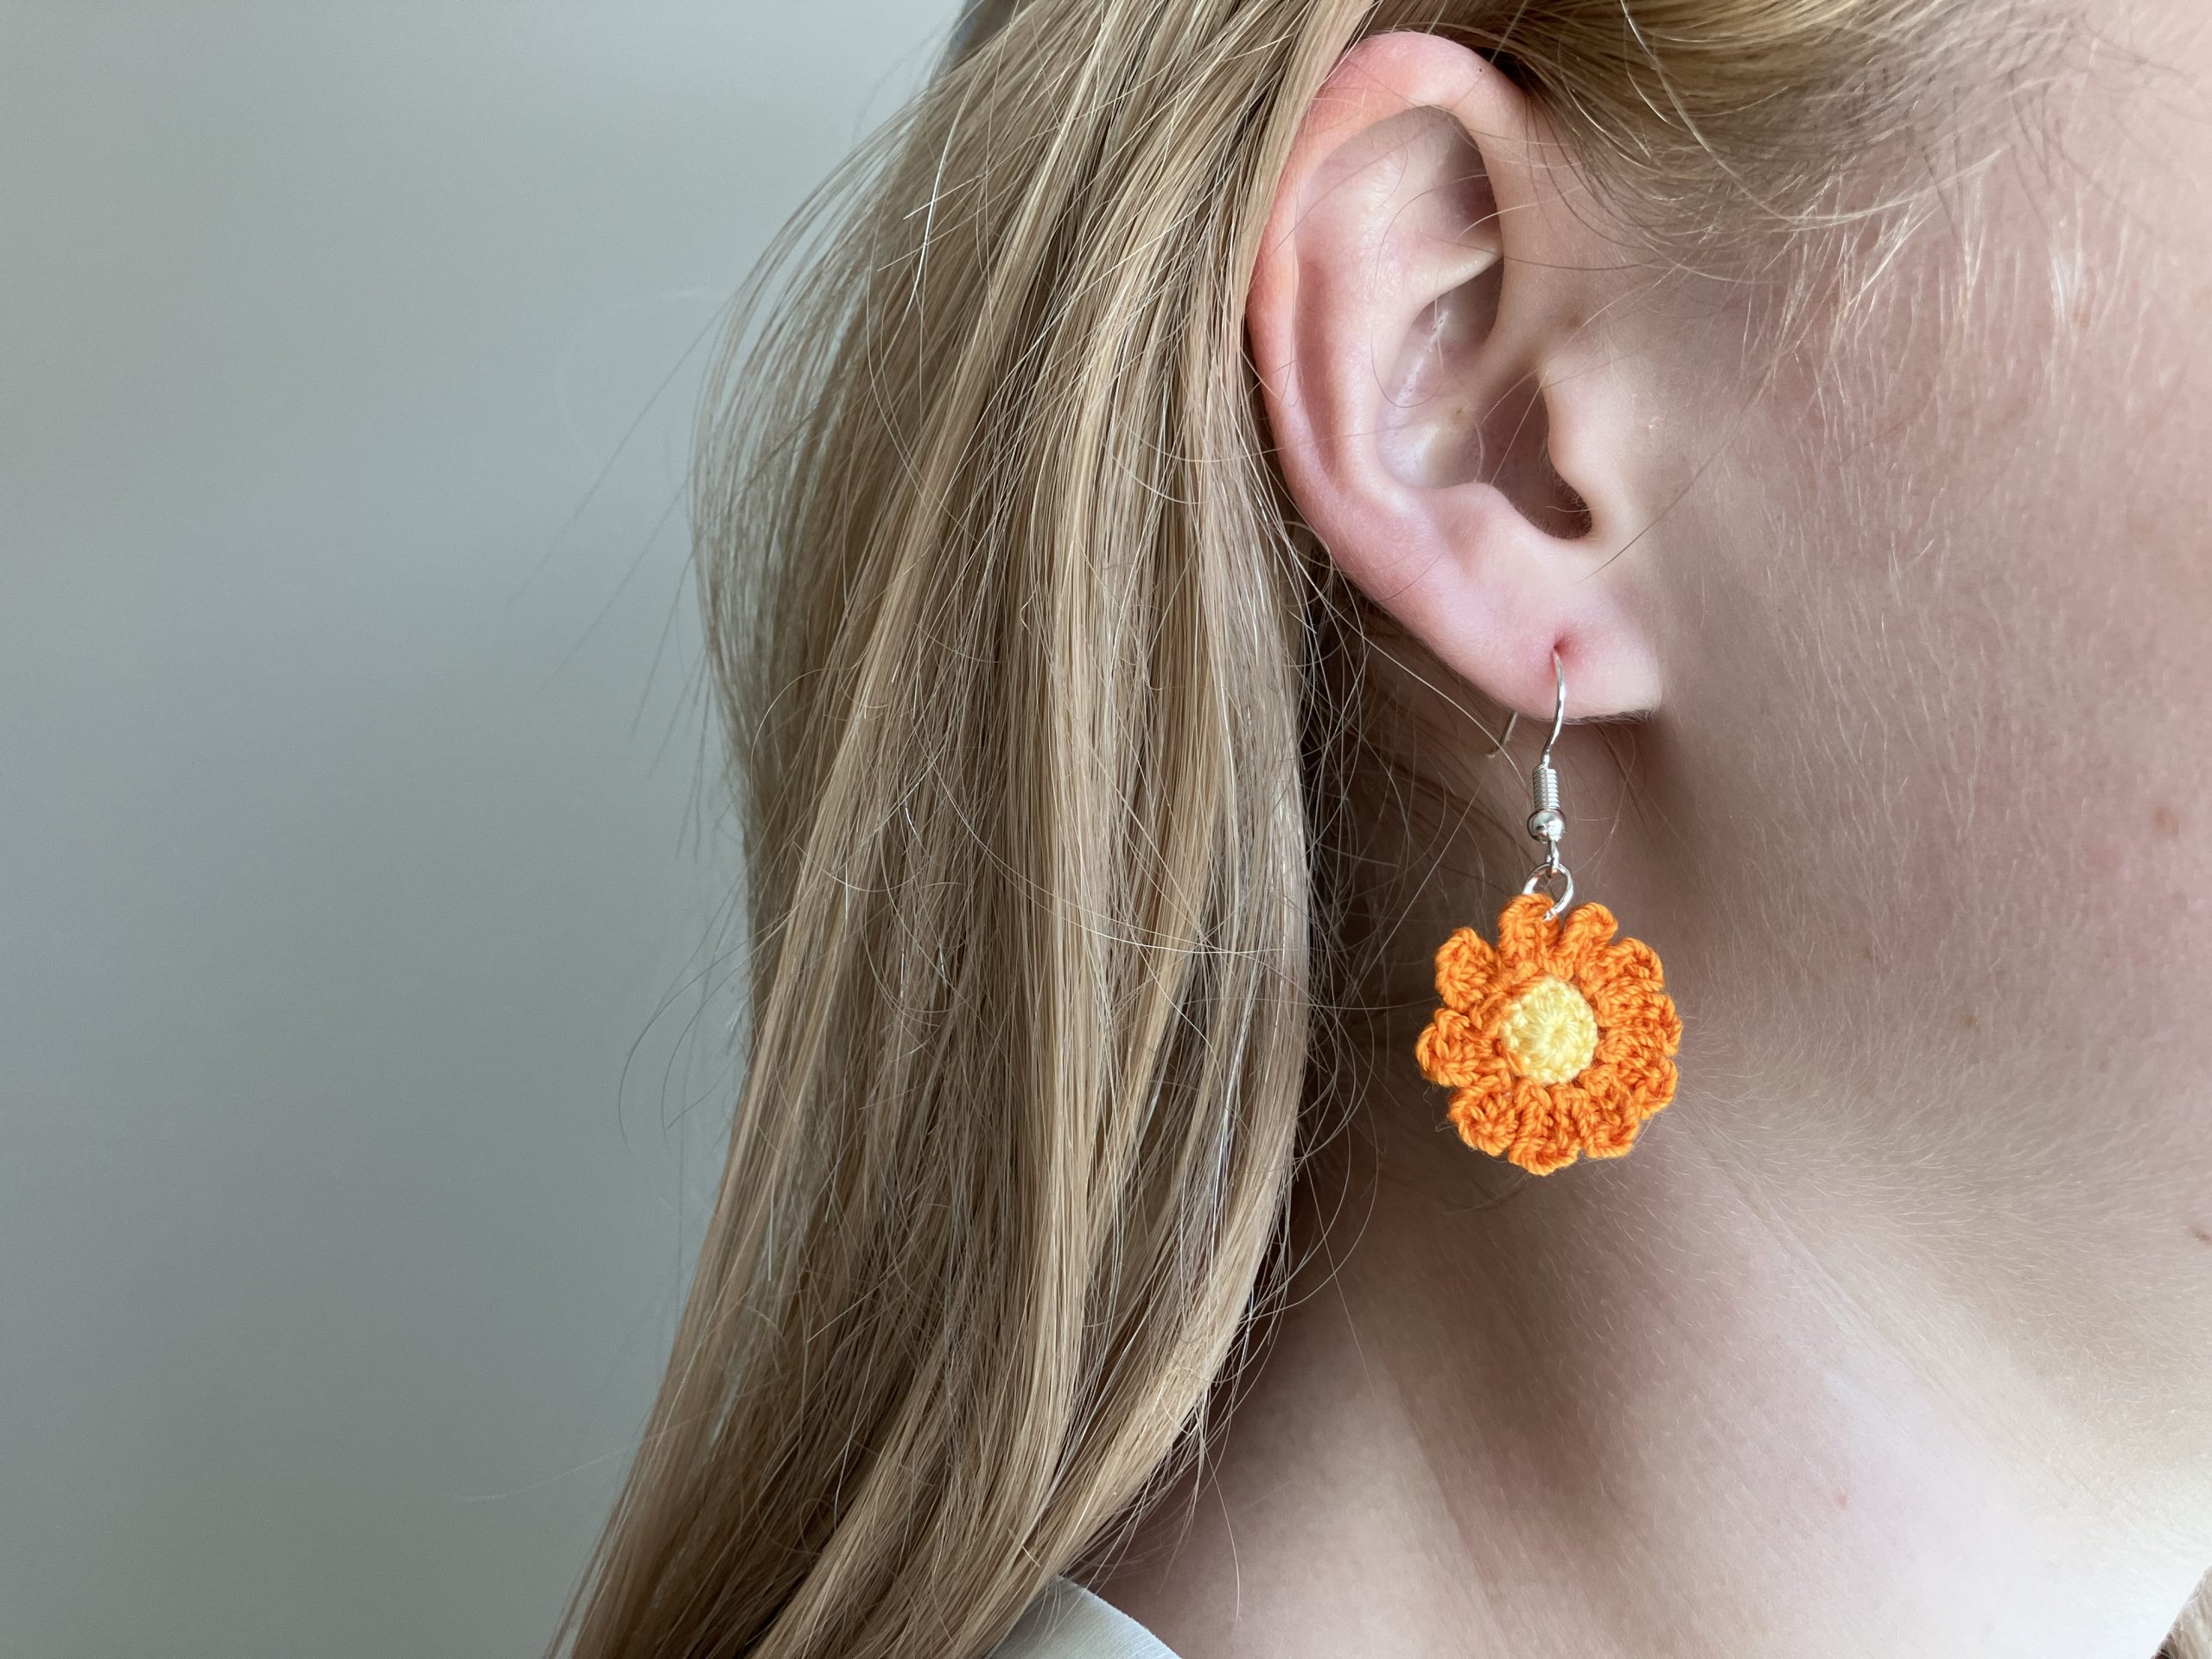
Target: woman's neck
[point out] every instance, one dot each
(1631, 1408)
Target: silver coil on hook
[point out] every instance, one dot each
(1547, 824)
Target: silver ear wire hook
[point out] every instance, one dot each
(1547, 824)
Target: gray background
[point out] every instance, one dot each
(353, 826)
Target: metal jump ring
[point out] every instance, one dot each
(1552, 871)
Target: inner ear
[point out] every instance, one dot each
(1453, 412)
(1511, 450)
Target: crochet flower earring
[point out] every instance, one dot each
(1558, 1043)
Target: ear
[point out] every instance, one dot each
(1447, 421)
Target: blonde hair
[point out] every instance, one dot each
(1036, 699)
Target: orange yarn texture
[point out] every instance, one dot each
(1558, 1043)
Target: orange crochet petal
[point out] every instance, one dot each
(1453, 1051)
(1485, 1118)
(1524, 934)
(1544, 1142)
(1466, 966)
(1647, 1089)
(1574, 1114)
(1614, 1126)
(1613, 1138)
(1631, 961)
(1587, 930)
(1634, 1017)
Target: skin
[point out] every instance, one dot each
(1894, 1335)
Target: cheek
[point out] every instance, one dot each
(1956, 855)
(1948, 794)
(2056, 673)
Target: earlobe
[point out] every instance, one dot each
(1418, 320)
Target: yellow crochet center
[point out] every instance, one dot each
(1550, 1032)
